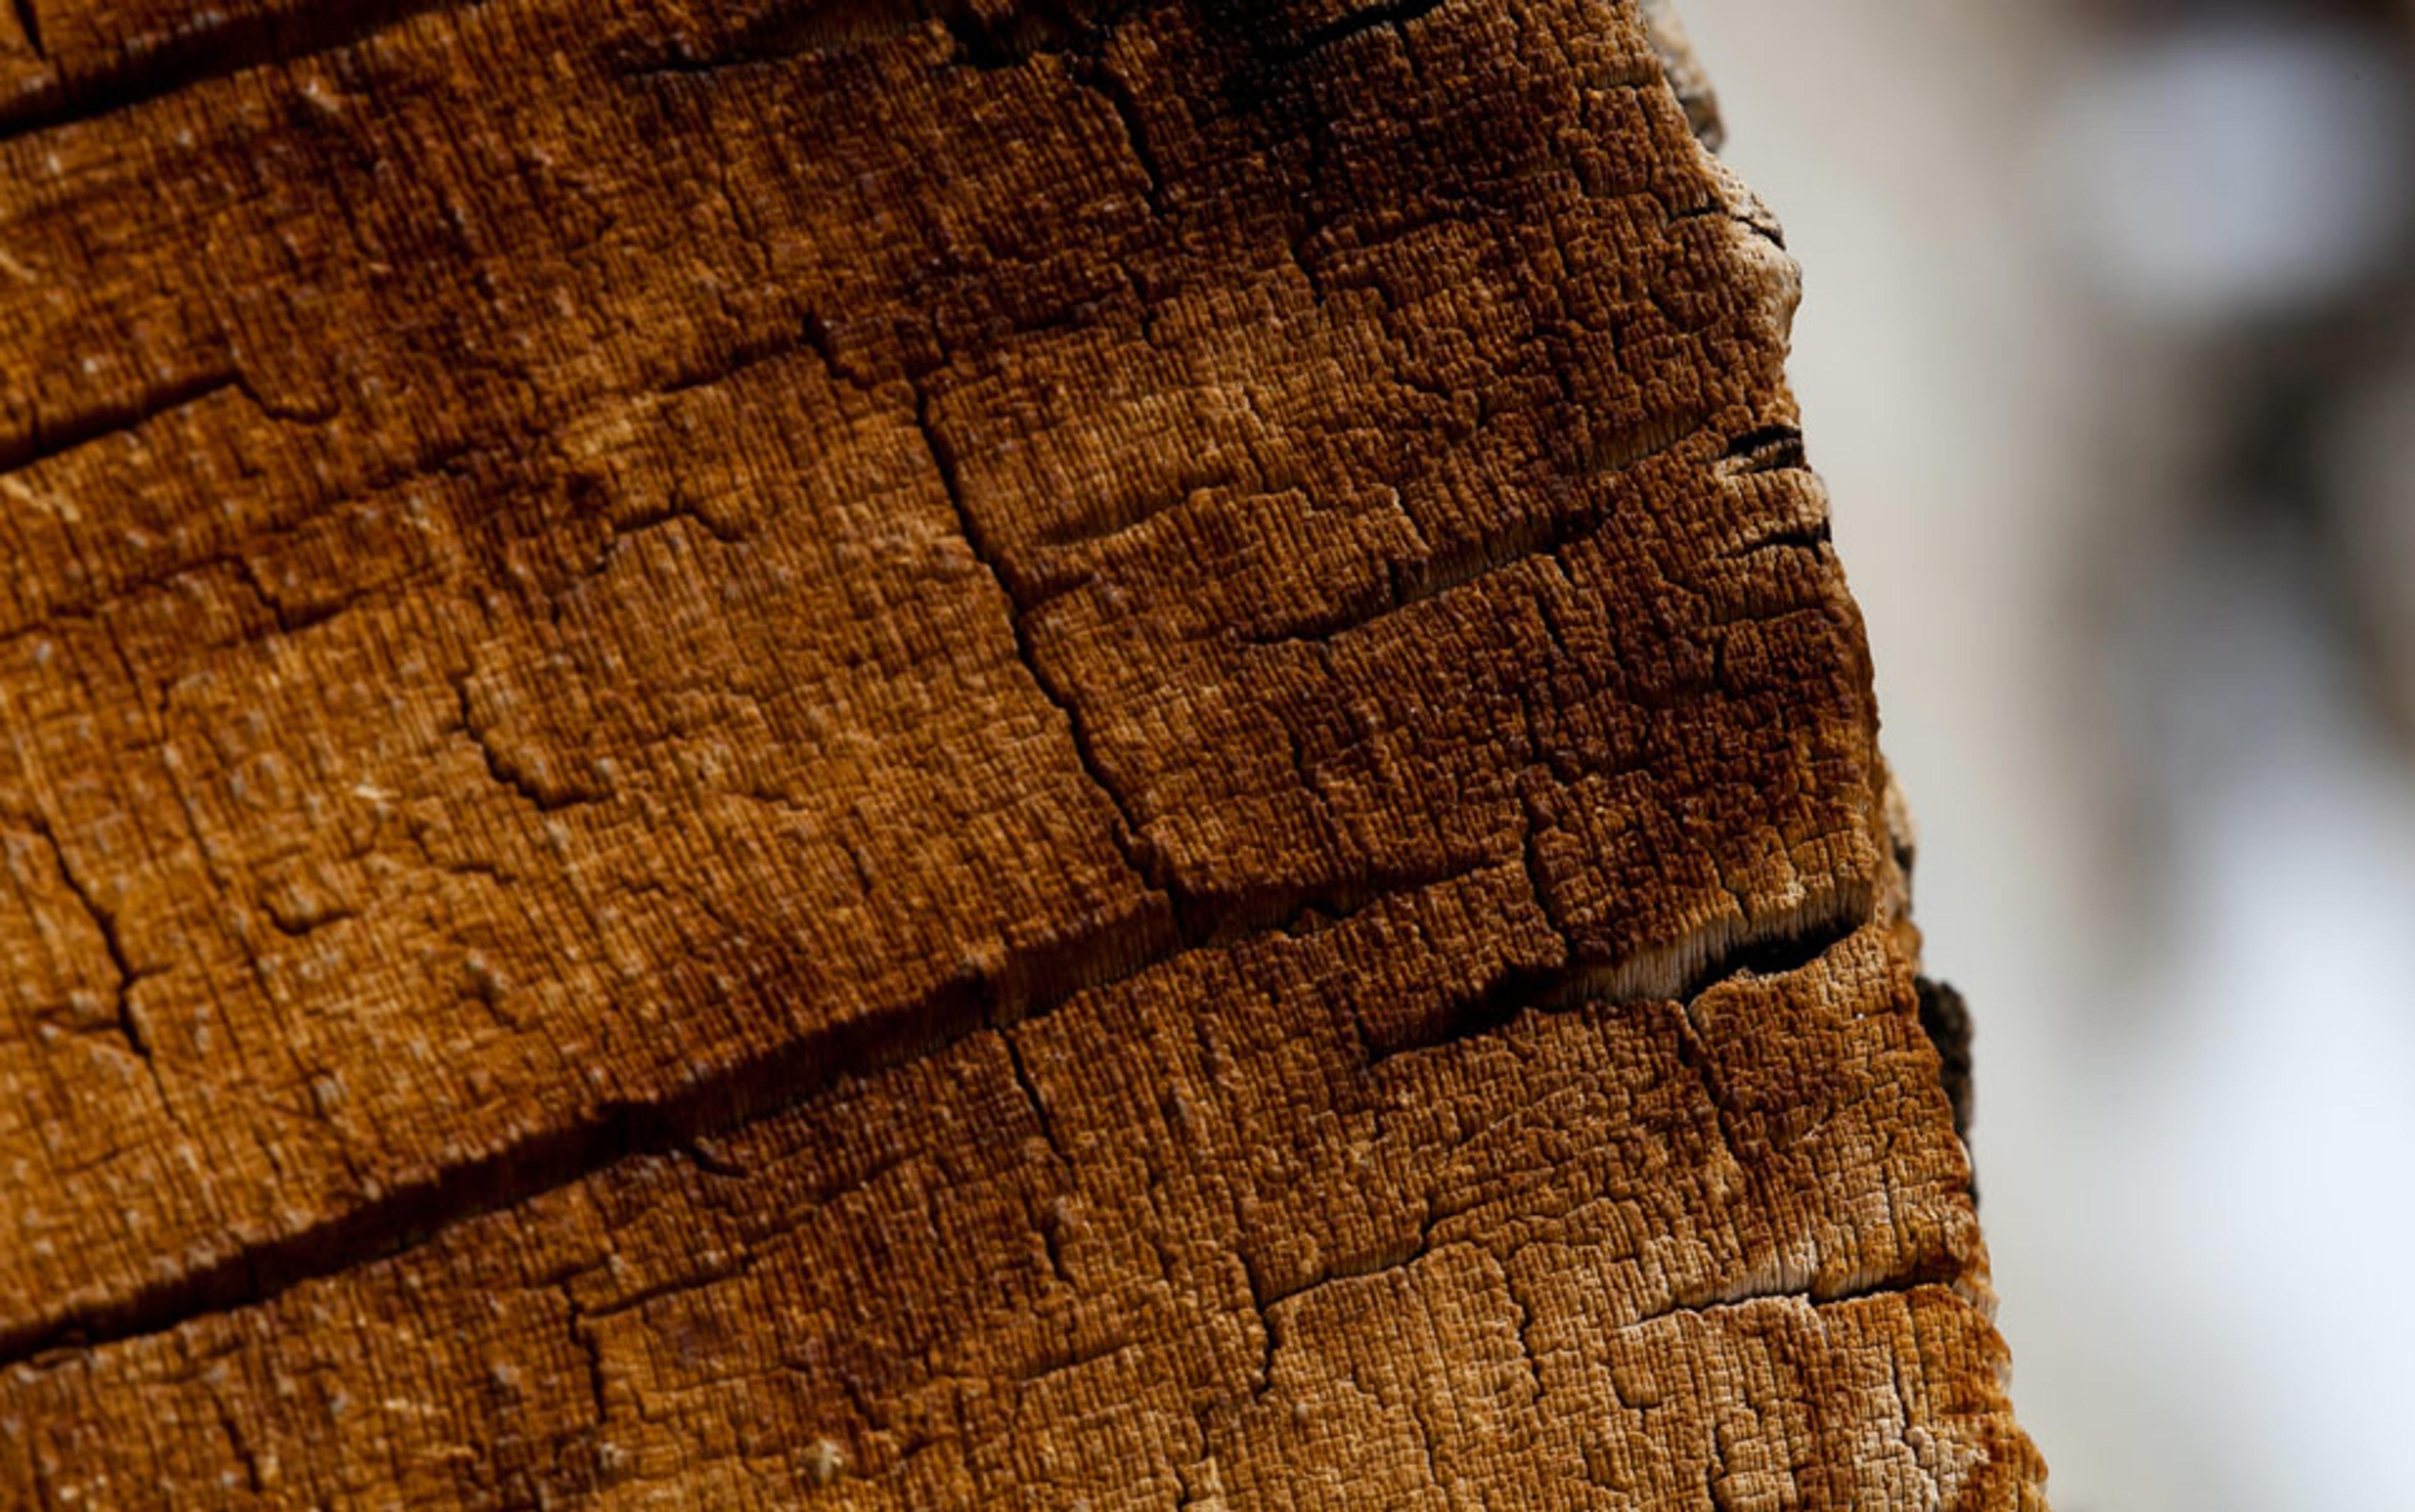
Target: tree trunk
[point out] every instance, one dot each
(774, 753)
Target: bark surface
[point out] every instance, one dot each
(773, 753)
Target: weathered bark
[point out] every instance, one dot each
(1038, 758)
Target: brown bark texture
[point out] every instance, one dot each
(832, 754)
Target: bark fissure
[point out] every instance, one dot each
(1938, 1271)
(1505, 551)
(1342, 28)
(1074, 977)
(412, 1212)
(1131, 835)
(104, 924)
(1788, 946)
(41, 441)
(1100, 78)
(151, 67)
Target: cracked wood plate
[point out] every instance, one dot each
(773, 753)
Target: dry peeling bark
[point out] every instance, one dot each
(793, 754)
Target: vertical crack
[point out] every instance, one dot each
(104, 924)
(1269, 1336)
(1538, 880)
(1129, 836)
(1525, 1324)
(1102, 80)
(113, 945)
(1031, 1095)
(584, 1338)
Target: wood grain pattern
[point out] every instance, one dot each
(1026, 756)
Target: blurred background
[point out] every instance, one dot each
(2107, 354)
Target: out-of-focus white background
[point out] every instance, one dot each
(2107, 354)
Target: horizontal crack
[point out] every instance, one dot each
(1502, 550)
(1769, 449)
(1660, 975)
(1933, 1270)
(43, 441)
(1398, 13)
(411, 1213)
(161, 64)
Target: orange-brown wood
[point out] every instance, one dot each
(1037, 756)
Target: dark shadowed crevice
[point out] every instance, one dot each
(1346, 27)
(1768, 449)
(1519, 992)
(31, 25)
(411, 1212)
(42, 441)
(1946, 1020)
(218, 43)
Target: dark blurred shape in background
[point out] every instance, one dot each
(2109, 357)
